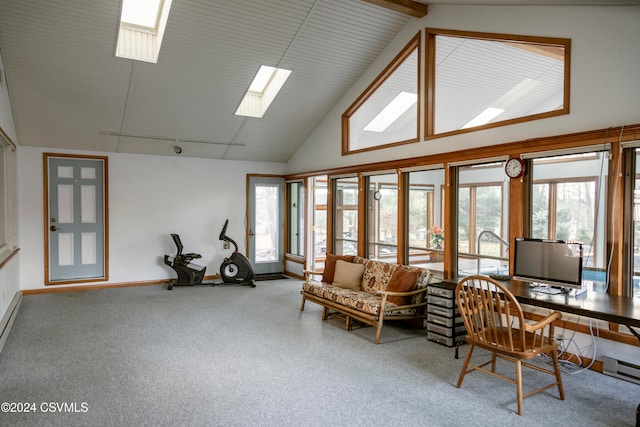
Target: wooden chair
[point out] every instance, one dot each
(494, 321)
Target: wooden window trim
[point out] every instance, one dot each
(413, 45)
(430, 76)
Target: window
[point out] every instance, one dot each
(295, 193)
(568, 203)
(262, 91)
(387, 112)
(425, 233)
(8, 198)
(632, 202)
(480, 80)
(382, 217)
(318, 231)
(142, 25)
(346, 216)
(482, 219)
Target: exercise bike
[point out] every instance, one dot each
(234, 270)
(189, 274)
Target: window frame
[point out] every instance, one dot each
(8, 194)
(601, 199)
(413, 45)
(430, 77)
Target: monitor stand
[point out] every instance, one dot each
(575, 292)
(545, 289)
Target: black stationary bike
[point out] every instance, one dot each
(237, 269)
(189, 274)
(234, 270)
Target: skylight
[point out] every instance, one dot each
(392, 112)
(142, 24)
(143, 13)
(262, 79)
(262, 91)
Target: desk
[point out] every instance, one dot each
(617, 309)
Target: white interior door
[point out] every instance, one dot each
(266, 224)
(75, 215)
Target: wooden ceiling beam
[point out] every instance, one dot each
(407, 7)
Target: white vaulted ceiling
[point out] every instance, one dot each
(69, 91)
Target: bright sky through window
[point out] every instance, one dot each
(141, 12)
(262, 78)
(142, 25)
(389, 114)
(262, 91)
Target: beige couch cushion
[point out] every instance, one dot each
(348, 275)
(330, 266)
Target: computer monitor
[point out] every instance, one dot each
(552, 262)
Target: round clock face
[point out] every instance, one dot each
(377, 195)
(514, 168)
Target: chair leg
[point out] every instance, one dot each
(379, 329)
(325, 313)
(463, 371)
(519, 384)
(493, 362)
(556, 368)
(302, 305)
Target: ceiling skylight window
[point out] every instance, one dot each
(143, 13)
(142, 24)
(262, 79)
(392, 112)
(262, 91)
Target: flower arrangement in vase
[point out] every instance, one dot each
(436, 237)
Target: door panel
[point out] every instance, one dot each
(75, 239)
(266, 224)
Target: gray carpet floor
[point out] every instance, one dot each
(237, 356)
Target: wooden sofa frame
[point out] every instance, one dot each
(386, 313)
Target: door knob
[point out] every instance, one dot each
(53, 228)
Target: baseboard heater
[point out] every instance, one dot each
(9, 317)
(621, 369)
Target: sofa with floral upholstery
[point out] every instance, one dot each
(367, 291)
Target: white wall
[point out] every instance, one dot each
(604, 80)
(149, 197)
(9, 273)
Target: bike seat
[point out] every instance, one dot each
(192, 256)
(178, 242)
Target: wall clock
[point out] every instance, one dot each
(377, 195)
(514, 168)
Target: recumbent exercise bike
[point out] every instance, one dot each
(234, 270)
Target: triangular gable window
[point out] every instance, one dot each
(387, 112)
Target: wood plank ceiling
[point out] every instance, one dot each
(69, 91)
